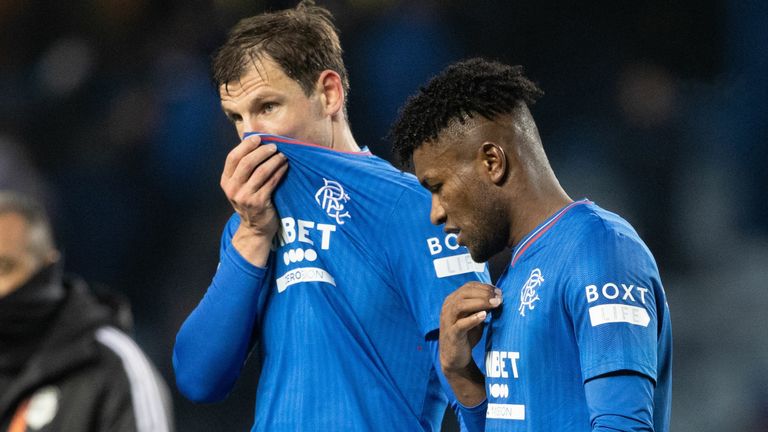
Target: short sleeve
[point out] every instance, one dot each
(614, 295)
(427, 264)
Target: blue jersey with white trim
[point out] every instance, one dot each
(359, 278)
(582, 298)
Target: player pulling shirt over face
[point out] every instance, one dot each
(344, 307)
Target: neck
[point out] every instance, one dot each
(25, 316)
(342, 138)
(529, 210)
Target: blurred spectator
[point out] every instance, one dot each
(66, 363)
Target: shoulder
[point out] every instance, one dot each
(120, 354)
(596, 241)
(399, 186)
(593, 227)
(396, 195)
(133, 375)
(403, 190)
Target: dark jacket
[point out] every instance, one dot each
(84, 374)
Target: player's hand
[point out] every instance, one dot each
(251, 173)
(461, 327)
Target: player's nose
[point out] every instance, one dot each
(248, 126)
(437, 212)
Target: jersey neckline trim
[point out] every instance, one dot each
(285, 140)
(544, 227)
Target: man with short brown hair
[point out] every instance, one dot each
(331, 265)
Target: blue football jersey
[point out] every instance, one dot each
(582, 298)
(358, 278)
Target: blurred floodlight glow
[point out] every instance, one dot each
(65, 66)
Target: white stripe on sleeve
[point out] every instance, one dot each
(148, 405)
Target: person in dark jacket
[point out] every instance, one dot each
(66, 363)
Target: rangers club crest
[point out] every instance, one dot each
(528, 294)
(331, 198)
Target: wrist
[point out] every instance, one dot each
(252, 246)
(468, 384)
(469, 372)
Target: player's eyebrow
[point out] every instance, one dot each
(259, 98)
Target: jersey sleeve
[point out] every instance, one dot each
(427, 264)
(136, 398)
(614, 296)
(470, 419)
(213, 343)
(621, 402)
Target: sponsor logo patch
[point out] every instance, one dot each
(456, 265)
(304, 274)
(618, 313)
(43, 407)
(505, 411)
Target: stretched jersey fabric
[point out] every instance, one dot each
(356, 282)
(582, 299)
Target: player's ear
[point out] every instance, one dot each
(331, 92)
(494, 161)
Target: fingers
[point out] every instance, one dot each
(264, 189)
(233, 158)
(264, 172)
(255, 195)
(248, 167)
(251, 161)
(474, 289)
(470, 299)
(464, 325)
(465, 307)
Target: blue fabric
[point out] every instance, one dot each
(355, 287)
(214, 341)
(469, 419)
(473, 418)
(582, 299)
(622, 402)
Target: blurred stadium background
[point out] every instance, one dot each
(657, 110)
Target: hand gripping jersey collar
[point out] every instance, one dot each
(267, 138)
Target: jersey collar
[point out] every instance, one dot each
(534, 235)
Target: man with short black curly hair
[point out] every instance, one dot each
(580, 334)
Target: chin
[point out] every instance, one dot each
(480, 255)
(483, 251)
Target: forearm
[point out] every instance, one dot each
(468, 385)
(471, 419)
(214, 341)
(461, 331)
